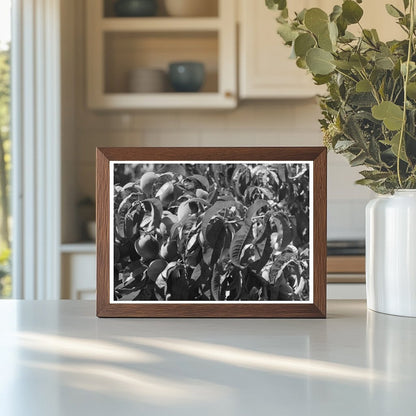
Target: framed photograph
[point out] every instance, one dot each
(211, 232)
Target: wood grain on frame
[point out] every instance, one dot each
(263, 309)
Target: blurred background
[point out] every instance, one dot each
(149, 73)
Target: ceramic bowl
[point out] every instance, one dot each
(191, 8)
(135, 8)
(186, 76)
(147, 80)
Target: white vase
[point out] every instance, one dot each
(391, 253)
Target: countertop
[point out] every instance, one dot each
(57, 358)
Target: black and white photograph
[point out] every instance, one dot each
(211, 231)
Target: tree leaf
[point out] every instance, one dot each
(316, 20)
(216, 283)
(254, 208)
(358, 61)
(363, 86)
(287, 33)
(336, 12)
(394, 145)
(266, 250)
(201, 179)
(303, 43)
(358, 160)
(345, 65)
(242, 236)
(393, 11)
(351, 11)
(276, 4)
(320, 61)
(287, 233)
(411, 90)
(213, 229)
(384, 62)
(325, 41)
(156, 211)
(391, 114)
(214, 210)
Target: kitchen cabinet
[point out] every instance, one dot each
(265, 69)
(78, 262)
(118, 45)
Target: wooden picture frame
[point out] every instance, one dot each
(307, 300)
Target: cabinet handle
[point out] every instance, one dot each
(229, 94)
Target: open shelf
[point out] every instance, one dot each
(116, 46)
(168, 100)
(126, 51)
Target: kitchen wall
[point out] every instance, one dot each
(253, 123)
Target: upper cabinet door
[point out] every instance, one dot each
(266, 71)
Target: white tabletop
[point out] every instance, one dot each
(57, 358)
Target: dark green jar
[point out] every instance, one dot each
(186, 76)
(135, 8)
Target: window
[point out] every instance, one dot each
(5, 147)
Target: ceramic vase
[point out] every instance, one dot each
(391, 253)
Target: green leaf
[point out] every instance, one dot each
(301, 63)
(351, 11)
(347, 37)
(285, 13)
(320, 61)
(374, 174)
(388, 112)
(342, 25)
(276, 4)
(303, 43)
(411, 90)
(325, 42)
(363, 86)
(358, 61)
(406, 3)
(375, 35)
(384, 62)
(345, 65)
(316, 20)
(333, 32)
(336, 12)
(321, 79)
(394, 144)
(301, 15)
(358, 160)
(343, 145)
(287, 33)
(393, 11)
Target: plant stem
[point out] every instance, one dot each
(406, 80)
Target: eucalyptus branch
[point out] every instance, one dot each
(373, 88)
(406, 80)
(346, 75)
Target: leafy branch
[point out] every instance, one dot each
(370, 106)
